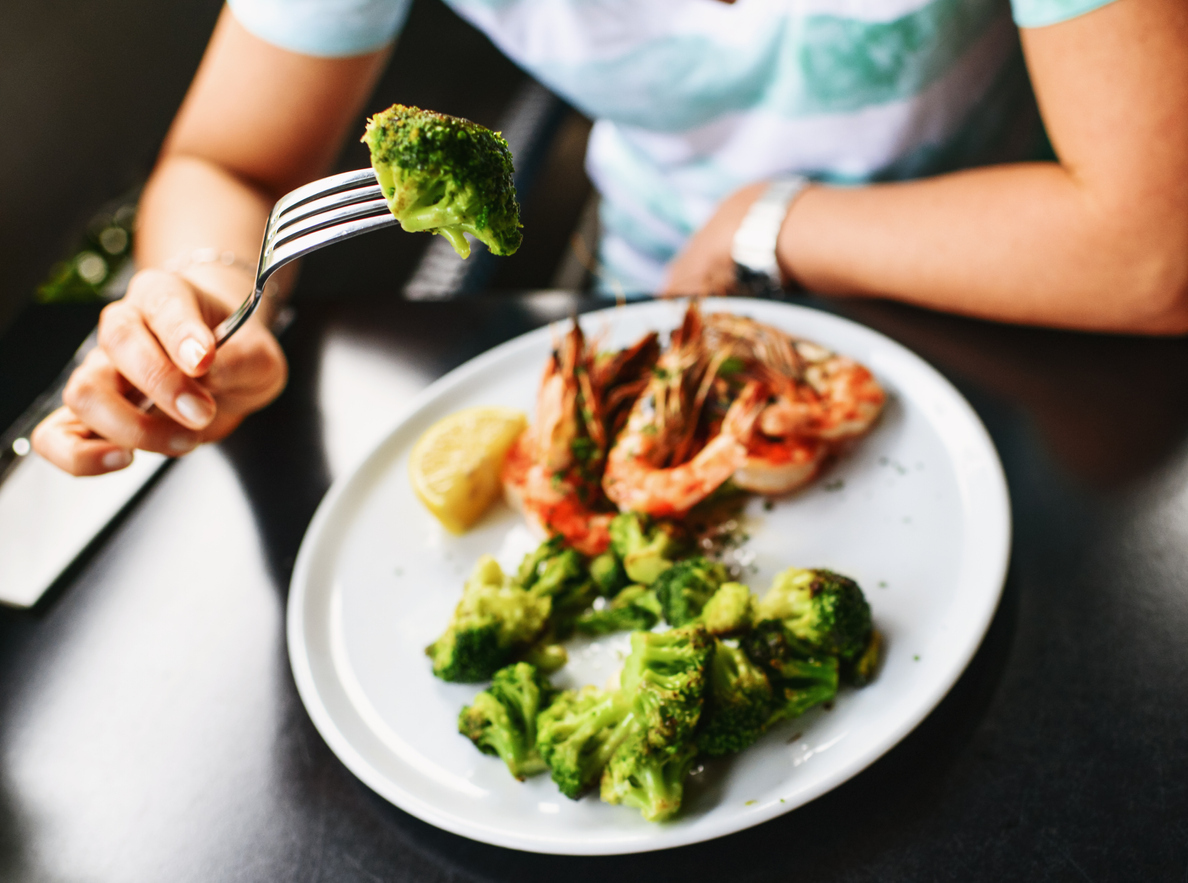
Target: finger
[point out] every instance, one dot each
(137, 355)
(250, 371)
(64, 440)
(177, 317)
(96, 395)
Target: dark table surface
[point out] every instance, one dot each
(150, 729)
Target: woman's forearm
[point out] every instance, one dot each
(257, 122)
(1023, 243)
(191, 206)
(1099, 241)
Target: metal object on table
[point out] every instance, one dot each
(47, 517)
(15, 443)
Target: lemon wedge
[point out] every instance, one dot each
(454, 467)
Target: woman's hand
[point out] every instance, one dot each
(704, 266)
(157, 343)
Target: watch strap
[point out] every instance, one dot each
(754, 246)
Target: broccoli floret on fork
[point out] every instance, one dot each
(446, 175)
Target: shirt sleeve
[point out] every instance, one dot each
(327, 28)
(1038, 13)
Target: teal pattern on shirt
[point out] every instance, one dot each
(848, 64)
(815, 65)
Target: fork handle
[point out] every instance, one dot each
(232, 323)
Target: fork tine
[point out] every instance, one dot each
(324, 187)
(294, 247)
(328, 219)
(325, 204)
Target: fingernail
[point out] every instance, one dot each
(191, 352)
(182, 444)
(193, 408)
(116, 459)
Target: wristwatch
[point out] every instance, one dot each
(754, 245)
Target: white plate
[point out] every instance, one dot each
(918, 513)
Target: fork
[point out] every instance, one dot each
(313, 216)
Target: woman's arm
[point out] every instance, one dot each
(1098, 240)
(257, 122)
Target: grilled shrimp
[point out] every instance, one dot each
(554, 506)
(818, 399)
(634, 481)
(779, 466)
(552, 472)
(838, 399)
(816, 393)
(672, 454)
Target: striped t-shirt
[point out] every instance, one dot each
(695, 98)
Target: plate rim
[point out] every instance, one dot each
(320, 531)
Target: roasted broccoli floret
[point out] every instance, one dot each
(738, 702)
(825, 609)
(685, 587)
(665, 676)
(633, 609)
(493, 620)
(546, 654)
(558, 572)
(647, 548)
(608, 574)
(647, 724)
(532, 564)
(862, 670)
(502, 718)
(577, 734)
(446, 175)
(651, 780)
(800, 677)
(730, 610)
